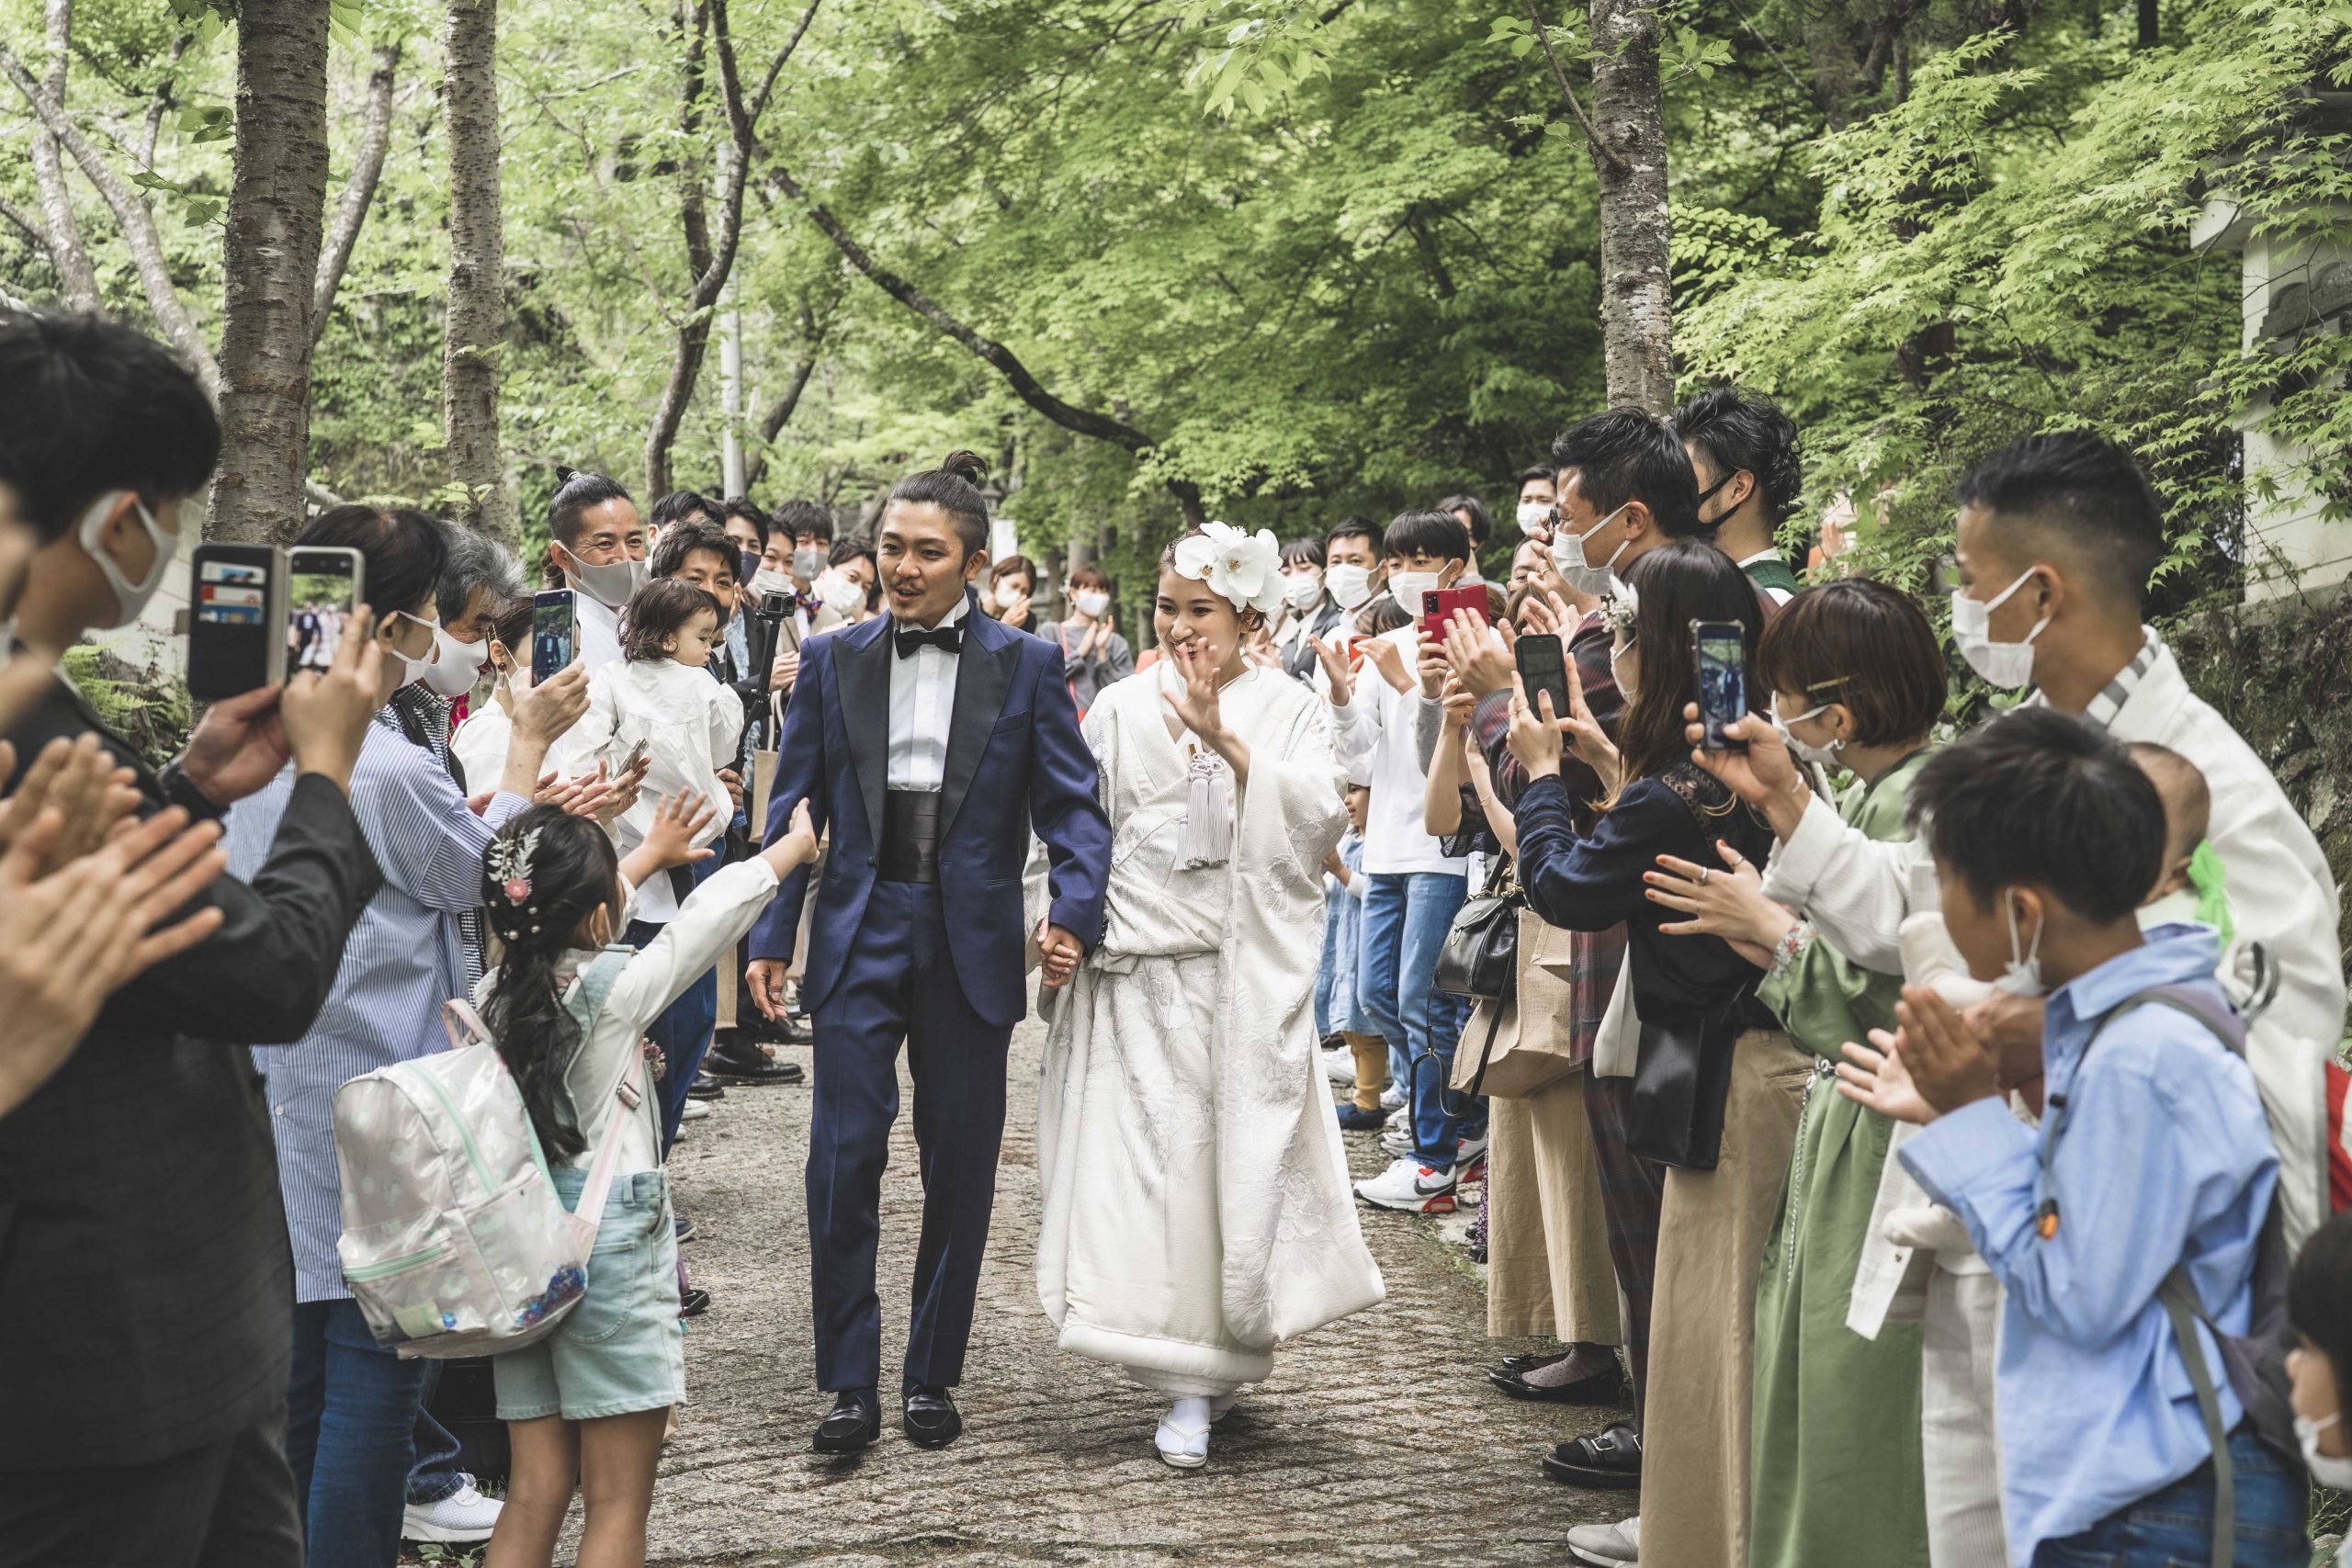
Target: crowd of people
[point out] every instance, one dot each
(1936, 1138)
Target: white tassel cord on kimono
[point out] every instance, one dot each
(1196, 1205)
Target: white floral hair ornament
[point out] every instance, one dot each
(1244, 569)
(509, 860)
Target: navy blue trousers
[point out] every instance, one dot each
(901, 985)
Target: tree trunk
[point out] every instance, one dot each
(77, 278)
(779, 414)
(1637, 304)
(359, 191)
(276, 209)
(476, 321)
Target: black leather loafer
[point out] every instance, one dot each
(853, 1423)
(705, 1087)
(738, 1062)
(1609, 1459)
(1599, 1388)
(929, 1417)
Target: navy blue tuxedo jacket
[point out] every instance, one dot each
(1015, 759)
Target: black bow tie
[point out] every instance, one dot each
(947, 639)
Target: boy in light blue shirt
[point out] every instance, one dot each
(2152, 1151)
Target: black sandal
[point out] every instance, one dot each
(1609, 1459)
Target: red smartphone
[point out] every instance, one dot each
(1437, 606)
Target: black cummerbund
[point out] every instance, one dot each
(911, 836)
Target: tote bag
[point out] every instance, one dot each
(1519, 1048)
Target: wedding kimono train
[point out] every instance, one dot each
(1196, 1204)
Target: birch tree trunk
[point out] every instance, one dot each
(78, 279)
(270, 260)
(1629, 111)
(476, 321)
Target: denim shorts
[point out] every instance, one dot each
(622, 1350)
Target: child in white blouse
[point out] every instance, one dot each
(567, 1009)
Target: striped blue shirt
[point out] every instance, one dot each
(405, 957)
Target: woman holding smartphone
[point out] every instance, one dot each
(1716, 1217)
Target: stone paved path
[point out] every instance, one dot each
(1377, 1439)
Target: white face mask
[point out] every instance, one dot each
(1302, 589)
(768, 579)
(840, 593)
(609, 585)
(1350, 584)
(1407, 588)
(1568, 556)
(129, 597)
(456, 665)
(2007, 665)
(411, 669)
(1804, 750)
(1091, 601)
(988, 596)
(2023, 977)
(2328, 1470)
(807, 564)
(1535, 516)
(1616, 673)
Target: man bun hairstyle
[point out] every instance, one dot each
(1628, 455)
(954, 487)
(1739, 430)
(578, 492)
(2083, 492)
(565, 869)
(88, 406)
(1864, 644)
(2042, 798)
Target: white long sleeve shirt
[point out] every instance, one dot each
(1378, 738)
(922, 708)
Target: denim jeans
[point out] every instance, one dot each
(2173, 1528)
(351, 1409)
(435, 1474)
(1406, 918)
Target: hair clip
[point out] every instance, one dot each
(509, 860)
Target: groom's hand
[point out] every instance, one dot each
(766, 978)
(1061, 953)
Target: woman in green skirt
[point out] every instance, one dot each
(1856, 683)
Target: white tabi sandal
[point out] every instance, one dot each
(1186, 1446)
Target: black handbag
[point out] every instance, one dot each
(1480, 958)
(1681, 1082)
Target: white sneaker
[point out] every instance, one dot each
(1392, 1098)
(1396, 1143)
(463, 1516)
(1606, 1546)
(1400, 1115)
(695, 1111)
(1410, 1186)
(1339, 1066)
(1470, 1159)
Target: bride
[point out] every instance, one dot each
(1196, 1206)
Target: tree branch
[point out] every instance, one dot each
(76, 274)
(779, 413)
(359, 191)
(161, 102)
(138, 225)
(1600, 148)
(1026, 386)
(30, 225)
(775, 66)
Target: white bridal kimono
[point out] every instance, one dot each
(1196, 1202)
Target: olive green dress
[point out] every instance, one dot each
(1838, 1476)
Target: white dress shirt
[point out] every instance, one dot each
(923, 706)
(599, 631)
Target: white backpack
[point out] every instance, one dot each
(454, 1241)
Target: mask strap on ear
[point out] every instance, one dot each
(2213, 893)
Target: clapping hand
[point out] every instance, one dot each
(1932, 1066)
(1727, 901)
(1334, 660)
(1384, 655)
(81, 782)
(584, 796)
(1480, 654)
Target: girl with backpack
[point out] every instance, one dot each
(567, 1009)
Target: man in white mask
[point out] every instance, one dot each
(2058, 535)
(1539, 491)
(596, 543)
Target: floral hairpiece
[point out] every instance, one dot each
(509, 860)
(1245, 567)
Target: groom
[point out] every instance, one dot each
(931, 739)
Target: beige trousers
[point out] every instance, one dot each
(1548, 1269)
(1702, 1327)
(1371, 1055)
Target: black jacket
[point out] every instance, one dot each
(146, 1290)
